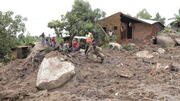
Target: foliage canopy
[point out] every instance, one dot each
(10, 26)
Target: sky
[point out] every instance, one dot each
(40, 12)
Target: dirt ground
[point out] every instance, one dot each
(122, 77)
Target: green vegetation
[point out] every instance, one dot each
(48, 49)
(176, 18)
(144, 14)
(10, 26)
(159, 18)
(58, 26)
(23, 40)
(129, 47)
(80, 19)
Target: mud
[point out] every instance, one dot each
(122, 77)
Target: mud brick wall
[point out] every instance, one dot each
(111, 22)
(142, 31)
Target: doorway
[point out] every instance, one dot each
(129, 31)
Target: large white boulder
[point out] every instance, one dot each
(165, 41)
(54, 72)
(144, 54)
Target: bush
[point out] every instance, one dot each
(10, 25)
(129, 47)
(48, 49)
(8, 58)
(59, 40)
(105, 46)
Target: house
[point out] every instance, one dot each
(127, 28)
(21, 52)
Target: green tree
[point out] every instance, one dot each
(23, 40)
(81, 18)
(176, 19)
(159, 18)
(144, 14)
(58, 27)
(10, 25)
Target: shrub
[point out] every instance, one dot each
(129, 47)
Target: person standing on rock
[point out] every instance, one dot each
(43, 40)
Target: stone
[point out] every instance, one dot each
(155, 54)
(177, 41)
(82, 52)
(161, 51)
(115, 46)
(165, 41)
(132, 44)
(144, 54)
(54, 72)
(173, 67)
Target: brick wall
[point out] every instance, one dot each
(110, 22)
(142, 31)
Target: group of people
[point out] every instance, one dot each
(90, 47)
(47, 41)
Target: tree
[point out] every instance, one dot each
(58, 27)
(176, 19)
(23, 40)
(159, 18)
(10, 25)
(81, 18)
(144, 14)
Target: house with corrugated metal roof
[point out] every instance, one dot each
(127, 28)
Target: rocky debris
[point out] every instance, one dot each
(165, 41)
(98, 82)
(115, 46)
(155, 54)
(170, 67)
(177, 40)
(1, 64)
(13, 95)
(82, 52)
(173, 67)
(144, 54)
(161, 50)
(54, 71)
(124, 73)
(35, 50)
(132, 44)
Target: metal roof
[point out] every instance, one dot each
(148, 21)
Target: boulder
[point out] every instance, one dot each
(161, 51)
(165, 41)
(155, 54)
(54, 72)
(115, 45)
(177, 40)
(132, 44)
(144, 54)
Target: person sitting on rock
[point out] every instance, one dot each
(95, 50)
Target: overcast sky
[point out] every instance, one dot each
(40, 12)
